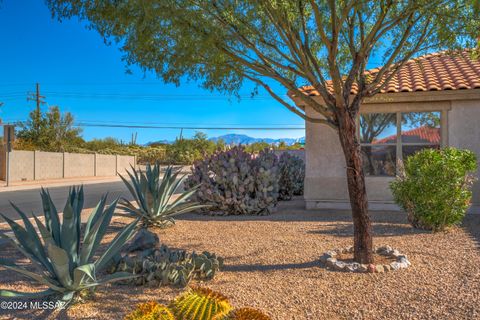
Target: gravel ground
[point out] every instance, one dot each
(272, 264)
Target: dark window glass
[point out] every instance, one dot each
(379, 160)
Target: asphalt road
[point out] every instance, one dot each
(29, 200)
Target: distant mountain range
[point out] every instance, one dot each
(236, 139)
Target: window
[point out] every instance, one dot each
(388, 137)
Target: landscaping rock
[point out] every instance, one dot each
(379, 268)
(143, 240)
(371, 268)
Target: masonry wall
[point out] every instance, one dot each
(37, 165)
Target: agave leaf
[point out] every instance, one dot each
(52, 219)
(26, 241)
(95, 215)
(117, 243)
(117, 276)
(61, 264)
(46, 235)
(92, 241)
(18, 294)
(80, 272)
(69, 234)
(32, 275)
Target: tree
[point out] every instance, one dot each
(50, 131)
(279, 45)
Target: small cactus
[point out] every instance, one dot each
(200, 303)
(151, 311)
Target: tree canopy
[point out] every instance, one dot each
(278, 43)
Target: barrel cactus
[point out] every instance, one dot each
(236, 182)
(200, 303)
(151, 311)
(292, 175)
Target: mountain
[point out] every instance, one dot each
(236, 139)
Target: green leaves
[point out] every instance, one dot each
(59, 254)
(435, 187)
(154, 196)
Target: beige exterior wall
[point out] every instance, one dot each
(79, 165)
(325, 181)
(48, 165)
(464, 132)
(37, 165)
(124, 163)
(106, 165)
(21, 166)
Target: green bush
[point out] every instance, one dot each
(434, 187)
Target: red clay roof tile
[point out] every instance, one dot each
(432, 72)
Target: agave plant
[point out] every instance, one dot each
(62, 256)
(154, 196)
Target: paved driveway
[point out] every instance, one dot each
(29, 200)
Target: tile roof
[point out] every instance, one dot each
(424, 134)
(432, 72)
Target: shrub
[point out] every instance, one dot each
(63, 259)
(292, 174)
(236, 182)
(434, 188)
(154, 196)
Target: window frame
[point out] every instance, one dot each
(398, 141)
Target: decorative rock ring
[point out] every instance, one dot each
(331, 261)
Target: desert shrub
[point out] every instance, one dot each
(164, 266)
(434, 187)
(236, 182)
(66, 259)
(292, 174)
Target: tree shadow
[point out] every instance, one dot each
(380, 229)
(270, 267)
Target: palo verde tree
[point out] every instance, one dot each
(281, 44)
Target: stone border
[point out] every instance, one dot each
(330, 261)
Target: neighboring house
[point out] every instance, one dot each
(433, 101)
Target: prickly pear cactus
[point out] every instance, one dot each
(292, 175)
(165, 266)
(236, 182)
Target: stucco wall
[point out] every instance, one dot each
(48, 165)
(464, 132)
(106, 165)
(325, 182)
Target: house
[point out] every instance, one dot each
(434, 101)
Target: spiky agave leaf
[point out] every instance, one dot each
(64, 263)
(199, 303)
(154, 196)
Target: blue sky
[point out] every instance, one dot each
(74, 68)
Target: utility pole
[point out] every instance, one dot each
(39, 99)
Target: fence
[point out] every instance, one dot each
(39, 165)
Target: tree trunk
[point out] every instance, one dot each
(356, 188)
